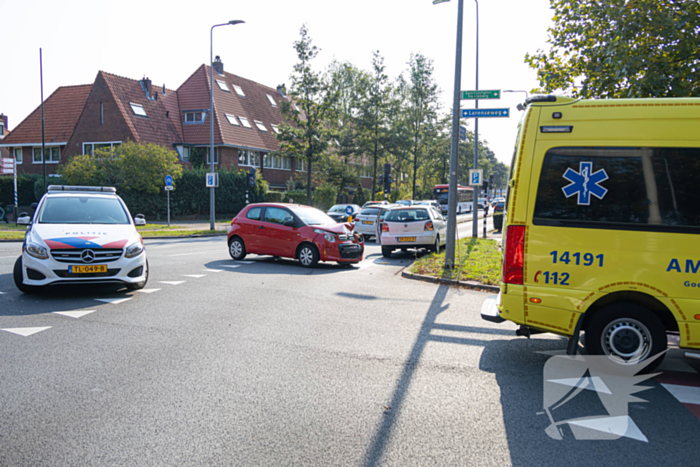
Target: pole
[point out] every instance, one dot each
(43, 140)
(477, 190)
(168, 192)
(15, 177)
(454, 149)
(211, 123)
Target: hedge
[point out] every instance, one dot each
(25, 189)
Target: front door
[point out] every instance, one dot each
(280, 239)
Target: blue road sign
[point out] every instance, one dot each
(463, 133)
(168, 180)
(348, 210)
(484, 113)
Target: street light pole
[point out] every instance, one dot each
(211, 116)
(454, 148)
(477, 190)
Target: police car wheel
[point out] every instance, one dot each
(308, 256)
(628, 333)
(19, 280)
(236, 248)
(142, 284)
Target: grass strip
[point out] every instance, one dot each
(476, 259)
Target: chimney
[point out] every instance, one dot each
(146, 86)
(3, 124)
(282, 90)
(163, 88)
(219, 65)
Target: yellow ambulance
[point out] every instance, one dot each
(602, 227)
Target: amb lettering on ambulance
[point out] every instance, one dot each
(602, 225)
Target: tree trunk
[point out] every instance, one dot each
(308, 183)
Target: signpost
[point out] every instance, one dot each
(212, 180)
(476, 177)
(463, 133)
(168, 189)
(485, 113)
(481, 94)
(8, 167)
(348, 212)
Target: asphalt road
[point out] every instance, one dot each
(263, 362)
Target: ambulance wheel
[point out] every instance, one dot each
(628, 333)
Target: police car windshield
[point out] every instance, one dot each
(83, 210)
(311, 216)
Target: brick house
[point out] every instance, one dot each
(115, 109)
(4, 152)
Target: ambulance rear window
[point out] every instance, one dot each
(620, 188)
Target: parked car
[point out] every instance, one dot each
(374, 203)
(405, 202)
(81, 235)
(481, 204)
(339, 212)
(413, 227)
(430, 202)
(370, 218)
(293, 231)
(497, 200)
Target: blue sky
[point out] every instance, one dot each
(167, 41)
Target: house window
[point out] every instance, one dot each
(53, 155)
(245, 122)
(275, 128)
(299, 164)
(239, 90)
(222, 85)
(195, 117)
(232, 119)
(267, 160)
(286, 163)
(138, 109)
(294, 104)
(216, 156)
(185, 152)
(250, 158)
(2, 128)
(260, 125)
(18, 155)
(89, 148)
(272, 100)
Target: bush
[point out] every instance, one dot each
(324, 197)
(360, 196)
(273, 197)
(25, 189)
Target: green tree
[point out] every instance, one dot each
(306, 136)
(621, 48)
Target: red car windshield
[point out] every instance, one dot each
(311, 216)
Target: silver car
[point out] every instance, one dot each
(413, 227)
(369, 220)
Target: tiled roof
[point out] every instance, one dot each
(156, 127)
(62, 110)
(194, 95)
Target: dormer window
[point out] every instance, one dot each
(239, 90)
(272, 100)
(260, 125)
(195, 117)
(232, 120)
(222, 85)
(245, 122)
(138, 109)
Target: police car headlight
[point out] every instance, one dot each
(37, 251)
(134, 250)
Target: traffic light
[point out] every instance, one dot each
(387, 178)
(251, 177)
(381, 180)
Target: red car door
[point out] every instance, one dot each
(250, 228)
(279, 239)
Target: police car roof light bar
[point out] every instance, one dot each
(104, 189)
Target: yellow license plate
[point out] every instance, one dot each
(368, 222)
(91, 269)
(407, 239)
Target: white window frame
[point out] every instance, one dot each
(222, 85)
(138, 110)
(272, 100)
(267, 161)
(260, 125)
(275, 128)
(112, 145)
(239, 90)
(245, 122)
(216, 156)
(299, 164)
(52, 150)
(194, 113)
(232, 120)
(185, 152)
(252, 158)
(18, 152)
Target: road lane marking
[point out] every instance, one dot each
(213, 270)
(232, 266)
(246, 262)
(25, 332)
(172, 282)
(148, 290)
(197, 253)
(74, 314)
(113, 301)
(196, 276)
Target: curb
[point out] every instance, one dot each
(474, 285)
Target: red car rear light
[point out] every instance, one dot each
(428, 225)
(233, 221)
(385, 227)
(514, 257)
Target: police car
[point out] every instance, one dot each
(81, 235)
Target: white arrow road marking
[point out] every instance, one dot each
(232, 266)
(172, 282)
(196, 276)
(74, 314)
(246, 262)
(148, 290)
(113, 301)
(2, 293)
(25, 332)
(684, 394)
(212, 270)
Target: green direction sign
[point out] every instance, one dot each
(493, 94)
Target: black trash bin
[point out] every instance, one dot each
(498, 221)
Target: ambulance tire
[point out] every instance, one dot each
(626, 331)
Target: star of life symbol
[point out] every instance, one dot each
(565, 377)
(585, 183)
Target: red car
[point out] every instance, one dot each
(293, 231)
